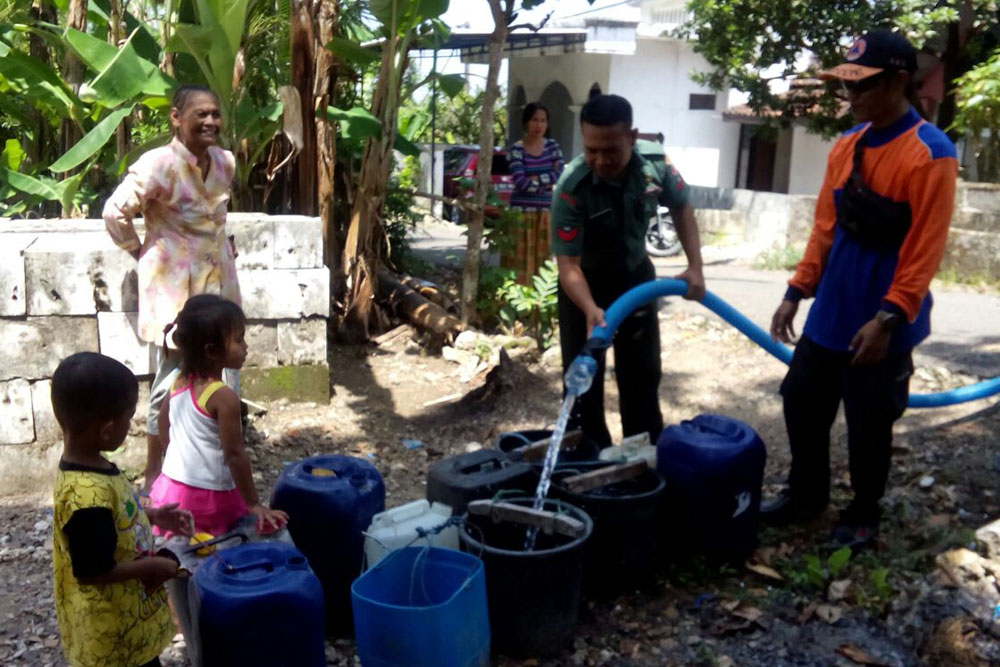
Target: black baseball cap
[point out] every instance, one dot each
(872, 53)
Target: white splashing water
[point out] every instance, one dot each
(551, 455)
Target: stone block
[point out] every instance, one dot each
(972, 256)
(295, 383)
(78, 274)
(262, 344)
(47, 429)
(285, 294)
(302, 342)
(254, 238)
(118, 337)
(12, 298)
(298, 242)
(17, 424)
(32, 348)
(989, 537)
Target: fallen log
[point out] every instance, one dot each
(410, 306)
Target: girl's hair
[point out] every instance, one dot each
(529, 112)
(206, 320)
(184, 94)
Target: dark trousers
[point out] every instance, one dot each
(874, 398)
(637, 357)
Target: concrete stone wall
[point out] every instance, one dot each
(65, 288)
(771, 220)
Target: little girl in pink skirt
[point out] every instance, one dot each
(205, 469)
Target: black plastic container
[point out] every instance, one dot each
(534, 597)
(458, 480)
(622, 551)
(586, 450)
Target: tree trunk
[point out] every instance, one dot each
(362, 255)
(416, 309)
(39, 50)
(303, 63)
(326, 28)
(73, 71)
(470, 273)
(117, 35)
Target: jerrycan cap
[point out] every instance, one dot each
(359, 479)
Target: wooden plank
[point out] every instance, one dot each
(548, 522)
(604, 476)
(536, 450)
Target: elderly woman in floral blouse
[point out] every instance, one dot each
(182, 191)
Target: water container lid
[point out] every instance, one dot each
(331, 470)
(711, 431)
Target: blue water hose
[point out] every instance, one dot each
(642, 294)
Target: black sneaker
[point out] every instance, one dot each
(783, 510)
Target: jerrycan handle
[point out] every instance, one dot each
(261, 565)
(484, 466)
(706, 426)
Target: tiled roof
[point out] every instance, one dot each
(802, 99)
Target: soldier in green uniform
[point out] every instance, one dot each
(600, 212)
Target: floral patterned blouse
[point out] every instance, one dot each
(185, 251)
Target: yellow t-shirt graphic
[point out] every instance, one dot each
(113, 625)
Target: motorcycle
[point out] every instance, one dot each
(661, 237)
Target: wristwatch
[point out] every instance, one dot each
(887, 320)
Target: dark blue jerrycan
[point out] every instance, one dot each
(258, 604)
(713, 467)
(330, 500)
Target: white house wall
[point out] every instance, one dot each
(809, 154)
(656, 81)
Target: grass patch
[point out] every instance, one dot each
(950, 275)
(780, 259)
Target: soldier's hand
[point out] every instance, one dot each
(695, 279)
(595, 318)
(781, 324)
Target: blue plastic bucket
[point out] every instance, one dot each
(422, 606)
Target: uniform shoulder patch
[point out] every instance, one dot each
(567, 234)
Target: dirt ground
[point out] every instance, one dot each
(943, 486)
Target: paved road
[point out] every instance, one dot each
(965, 323)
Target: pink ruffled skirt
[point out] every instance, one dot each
(215, 512)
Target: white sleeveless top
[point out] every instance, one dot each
(194, 453)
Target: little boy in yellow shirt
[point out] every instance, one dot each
(109, 594)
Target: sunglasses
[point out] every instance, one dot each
(864, 85)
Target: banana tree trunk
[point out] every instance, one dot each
(73, 71)
(326, 28)
(303, 70)
(474, 241)
(362, 255)
(117, 34)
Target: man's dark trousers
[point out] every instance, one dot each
(874, 398)
(637, 356)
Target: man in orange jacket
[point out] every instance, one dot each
(880, 231)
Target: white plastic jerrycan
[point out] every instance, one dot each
(397, 528)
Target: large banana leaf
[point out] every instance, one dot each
(409, 13)
(35, 80)
(44, 188)
(355, 123)
(91, 143)
(124, 77)
(99, 56)
(146, 42)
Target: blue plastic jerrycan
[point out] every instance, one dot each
(258, 604)
(713, 467)
(330, 500)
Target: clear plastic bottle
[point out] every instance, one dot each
(580, 374)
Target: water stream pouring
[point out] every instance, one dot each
(579, 376)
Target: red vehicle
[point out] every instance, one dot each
(460, 163)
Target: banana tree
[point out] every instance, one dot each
(402, 24)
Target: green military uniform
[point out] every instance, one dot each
(604, 224)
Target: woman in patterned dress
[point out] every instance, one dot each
(182, 191)
(536, 161)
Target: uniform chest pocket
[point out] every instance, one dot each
(602, 224)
